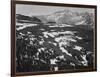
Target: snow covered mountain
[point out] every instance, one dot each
(68, 17)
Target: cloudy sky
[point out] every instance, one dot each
(30, 10)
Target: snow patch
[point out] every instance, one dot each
(61, 25)
(56, 68)
(65, 39)
(46, 34)
(80, 38)
(42, 29)
(65, 51)
(41, 42)
(77, 48)
(53, 61)
(85, 62)
(26, 25)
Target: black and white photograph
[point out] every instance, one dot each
(54, 38)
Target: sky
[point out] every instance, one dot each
(31, 10)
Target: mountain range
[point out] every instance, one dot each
(63, 17)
